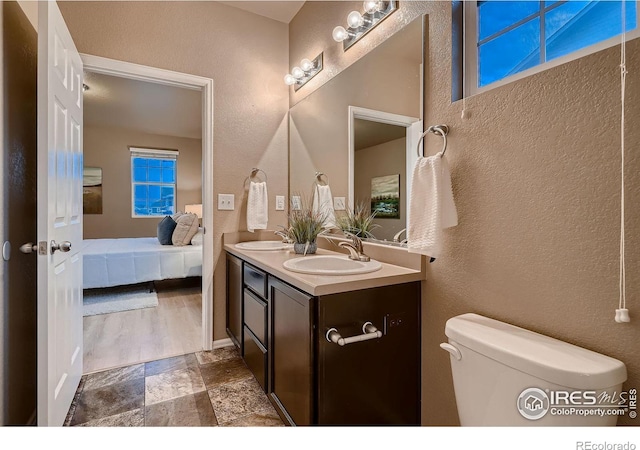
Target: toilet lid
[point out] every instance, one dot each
(544, 357)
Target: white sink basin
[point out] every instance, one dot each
(330, 265)
(263, 245)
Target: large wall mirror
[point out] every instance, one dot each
(360, 130)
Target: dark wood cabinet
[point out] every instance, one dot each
(311, 380)
(291, 351)
(374, 382)
(255, 356)
(254, 319)
(234, 300)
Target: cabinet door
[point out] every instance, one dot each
(234, 299)
(291, 352)
(374, 382)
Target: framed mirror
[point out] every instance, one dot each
(362, 126)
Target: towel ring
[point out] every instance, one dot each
(442, 130)
(254, 172)
(319, 176)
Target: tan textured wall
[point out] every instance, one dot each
(380, 160)
(246, 56)
(536, 176)
(108, 148)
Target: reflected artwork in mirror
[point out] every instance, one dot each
(361, 125)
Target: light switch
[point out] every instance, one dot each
(279, 202)
(226, 202)
(338, 203)
(296, 204)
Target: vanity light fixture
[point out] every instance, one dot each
(304, 72)
(361, 23)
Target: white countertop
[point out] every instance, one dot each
(316, 285)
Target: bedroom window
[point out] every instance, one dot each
(509, 40)
(153, 182)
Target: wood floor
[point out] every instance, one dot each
(172, 328)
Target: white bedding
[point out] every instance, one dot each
(115, 262)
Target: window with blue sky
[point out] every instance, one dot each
(153, 184)
(513, 36)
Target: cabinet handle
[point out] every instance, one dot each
(368, 329)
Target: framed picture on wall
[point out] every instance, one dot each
(92, 190)
(385, 196)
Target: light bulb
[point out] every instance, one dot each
(355, 19)
(306, 65)
(340, 34)
(289, 79)
(371, 7)
(297, 72)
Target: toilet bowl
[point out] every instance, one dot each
(504, 375)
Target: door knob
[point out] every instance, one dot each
(63, 246)
(29, 247)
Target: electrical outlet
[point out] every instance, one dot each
(296, 204)
(279, 202)
(226, 202)
(339, 203)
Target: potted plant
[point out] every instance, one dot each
(305, 225)
(358, 221)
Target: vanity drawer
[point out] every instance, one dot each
(255, 315)
(256, 279)
(255, 356)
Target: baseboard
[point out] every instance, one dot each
(221, 343)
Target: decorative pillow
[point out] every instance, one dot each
(186, 228)
(198, 238)
(166, 227)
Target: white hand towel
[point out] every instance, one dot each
(323, 203)
(257, 206)
(432, 208)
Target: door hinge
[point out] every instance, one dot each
(43, 247)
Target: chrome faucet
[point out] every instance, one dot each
(285, 237)
(356, 250)
(396, 238)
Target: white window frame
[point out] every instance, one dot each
(471, 52)
(138, 152)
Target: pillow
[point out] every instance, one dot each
(177, 215)
(198, 238)
(186, 228)
(166, 228)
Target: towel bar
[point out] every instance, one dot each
(368, 329)
(319, 179)
(442, 130)
(255, 170)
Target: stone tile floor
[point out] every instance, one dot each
(199, 389)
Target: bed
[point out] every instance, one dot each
(115, 262)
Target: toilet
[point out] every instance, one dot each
(504, 375)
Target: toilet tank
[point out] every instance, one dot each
(504, 375)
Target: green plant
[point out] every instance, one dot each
(305, 225)
(358, 221)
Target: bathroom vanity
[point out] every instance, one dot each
(293, 333)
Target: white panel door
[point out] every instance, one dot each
(59, 216)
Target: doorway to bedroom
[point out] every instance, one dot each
(142, 223)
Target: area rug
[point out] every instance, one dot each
(117, 299)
